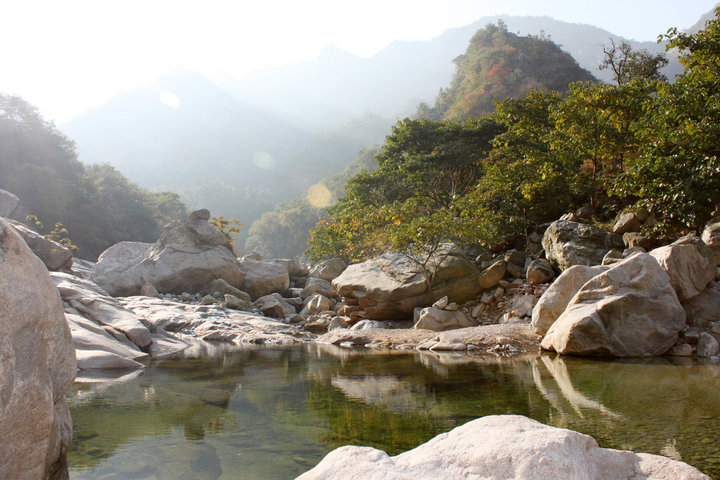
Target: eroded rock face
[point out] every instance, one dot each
(570, 243)
(187, 257)
(500, 447)
(391, 286)
(631, 310)
(37, 366)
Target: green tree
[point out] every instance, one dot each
(628, 65)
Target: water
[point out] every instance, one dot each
(273, 414)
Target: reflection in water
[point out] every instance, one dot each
(272, 414)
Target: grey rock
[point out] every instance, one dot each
(202, 214)
(627, 222)
(490, 277)
(263, 278)
(54, 255)
(318, 286)
(220, 288)
(711, 236)
(689, 270)
(707, 345)
(570, 243)
(438, 320)
(8, 202)
(275, 306)
(539, 271)
(704, 308)
(329, 269)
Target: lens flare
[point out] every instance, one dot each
(169, 99)
(319, 196)
(264, 160)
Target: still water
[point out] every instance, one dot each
(273, 414)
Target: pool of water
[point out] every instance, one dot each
(274, 413)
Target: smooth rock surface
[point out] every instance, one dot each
(704, 308)
(501, 447)
(570, 243)
(627, 222)
(631, 310)
(539, 271)
(329, 269)
(37, 366)
(275, 306)
(690, 271)
(54, 255)
(490, 277)
(8, 202)
(435, 319)
(263, 278)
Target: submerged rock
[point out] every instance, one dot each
(501, 447)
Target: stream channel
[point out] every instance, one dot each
(274, 413)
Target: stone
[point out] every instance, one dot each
(487, 298)
(202, 214)
(294, 267)
(437, 320)
(585, 212)
(209, 300)
(689, 271)
(707, 345)
(630, 310)
(500, 447)
(539, 271)
(149, 290)
(571, 243)
(515, 270)
(612, 257)
(8, 202)
(54, 255)
(570, 217)
(637, 239)
(490, 277)
(96, 348)
(389, 287)
(263, 278)
(368, 324)
(338, 322)
(711, 236)
(318, 286)
(478, 310)
(627, 222)
(275, 306)
(315, 304)
(38, 366)
(187, 257)
(499, 292)
(329, 269)
(441, 303)
(515, 257)
(681, 350)
(237, 303)
(522, 306)
(704, 308)
(220, 288)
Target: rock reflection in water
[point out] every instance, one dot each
(274, 413)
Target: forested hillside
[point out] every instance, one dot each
(642, 143)
(96, 204)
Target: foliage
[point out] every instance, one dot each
(628, 65)
(58, 233)
(227, 226)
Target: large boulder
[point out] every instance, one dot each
(329, 269)
(501, 447)
(275, 306)
(54, 255)
(570, 243)
(689, 269)
(556, 298)
(391, 285)
(187, 257)
(435, 319)
(711, 236)
(8, 202)
(263, 278)
(631, 310)
(37, 366)
(704, 308)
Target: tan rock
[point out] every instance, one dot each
(437, 320)
(689, 270)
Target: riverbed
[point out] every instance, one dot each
(274, 413)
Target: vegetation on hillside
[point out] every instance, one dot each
(96, 204)
(490, 179)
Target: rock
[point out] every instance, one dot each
(338, 322)
(209, 300)
(187, 257)
(38, 366)
(627, 222)
(570, 217)
(500, 447)
(315, 304)
(318, 286)
(149, 290)
(630, 310)
(275, 306)
(637, 239)
(570, 243)
(368, 324)
(202, 214)
(478, 310)
(95, 348)
(585, 212)
(54, 255)
(8, 202)
(515, 270)
(515, 257)
(711, 236)
(539, 271)
(263, 278)
(294, 267)
(612, 257)
(442, 303)
(681, 350)
(390, 286)
(237, 303)
(707, 345)
(437, 320)
(490, 277)
(704, 308)
(690, 271)
(522, 306)
(329, 269)
(220, 287)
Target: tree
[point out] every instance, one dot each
(628, 65)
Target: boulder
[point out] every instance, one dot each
(220, 288)
(501, 447)
(202, 214)
(54, 255)
(318, 286)
(435, 319)
(149, 290)
(275, 306)
(490, 277)
(627, 222)
(96, 348)
(690, 271)
(637, 239)
(539, 271)
(37, 366)
(186, 258)
(522, 306)
(391, 286)
(556, 298)
(630, 310)
(263, 278)
(8, 202)
(704, 308)
(329, 269)
(315, 304)
(711, 236)
(295, 268)
(707, 345)
(570, 243)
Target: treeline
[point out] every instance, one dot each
(643, 142)
(96, 204)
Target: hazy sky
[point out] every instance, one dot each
(65, 56)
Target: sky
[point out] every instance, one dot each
(67, 56)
